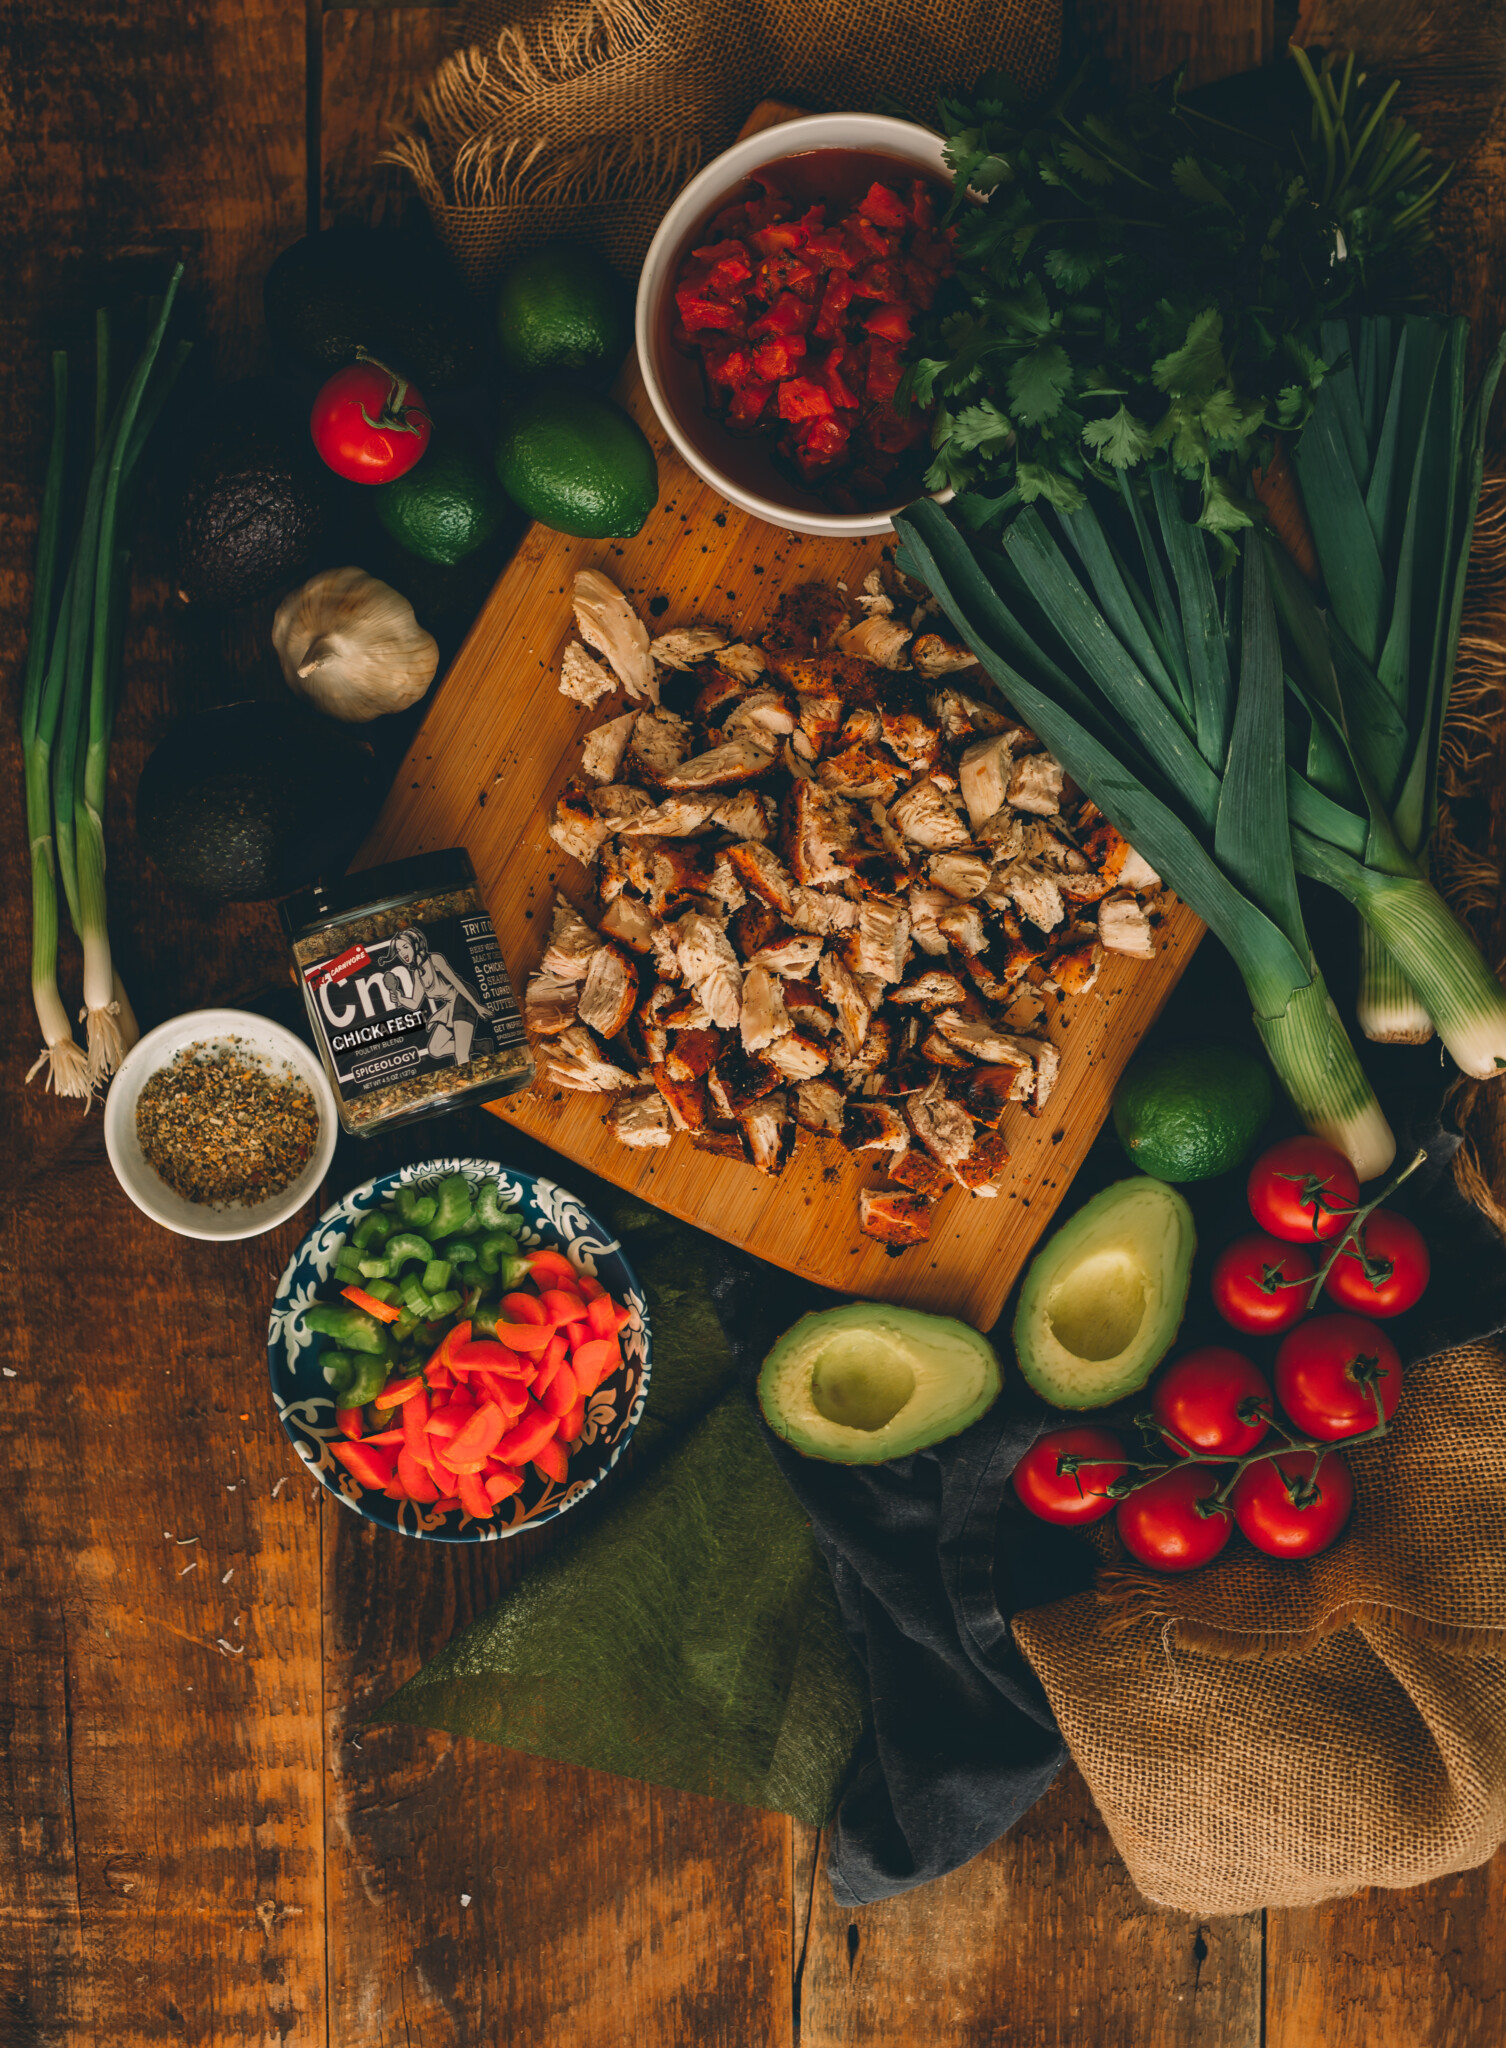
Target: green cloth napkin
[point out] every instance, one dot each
(686, 1632)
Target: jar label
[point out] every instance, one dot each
(434, 996)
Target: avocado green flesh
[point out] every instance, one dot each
(860, 1384)
(1103, 1301)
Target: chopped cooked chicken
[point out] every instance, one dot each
(694, 1051)
(807, 1011)
(576, 1061)
(862, 771)
(630, 923)
(762, 716)
(659, 743)
(753, 927)
(1073, 968)
(549, 1004)
(1036, 785)
(724, 887)
(1033, 891)
(820, 715)
(798, 1056)
(964, 873)
(605, 745)
(814, 911)
(988, 1092)
(847, 999)
(746, 664)
(979, 1172)
(746, 815)
(763, 874)
(726, 1144)
(895, 1216)
(932, 989)
(1047, 1069)
(878, 638)
(582, 679)
(576, 828)
(1081, 888)
(610, 991)
(818, 830)
(806, 620)
(660, 869)
(723, 768)
(926, 906)
(789, 953)
(678, 817)
(941, 1125)
(709, 964)
(618, 803)
(937, 1051)
(666, 952)
(964, 718)
(1114, 858)
(684, 1096)
(962, 924)
(738, 1080)
(769, 1131)
(874, 1127)
(608, 623)
(764, 1017)
(640, 1119)
(820, 1106)
(984, 776)
(1124, 927)
(913, 738)
(686, 1013)
(984, 1041)
(684, 646)
(881, 944)
(1002, 835)
(719, 693)
(571, 943)
(917, 1170)
(934, 656)
(928, 817)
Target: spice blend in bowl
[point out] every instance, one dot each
(218, 1125)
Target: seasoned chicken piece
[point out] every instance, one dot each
(932, 989)
(881, 944)
(663, 870)
(1114, 858)
(769, 1131)
(605, 745)
(847, 999)
(618, 804)
(709, 964)
(725, 1144)
(678, 817)
(610, 991)
(724, 887)
(926, 906)
(917, 1170)
(576, 828)
(764, 1017)
(806, 620)
(723, 768)
(799, 1057)
(1033, 891)
(640, 1119)
(963, 874)
(683, 646)
(872, 1059)
(1074, 968)
(937, 1051)
(906, 733)
(798, 756)
(753, 926)
(608, 623)
(746, 664)
(988, 1092)
(666, 953)
(820, 1106)
(806, 1010)
(789, 953)
(1003, 835)
(571, 943)
(820, 716)
(962, 924)
(934, 656)
(1125, 928)
(874, 1127)
(1048, 1067)
(983, 1040)
(862, 771)
(684, 1097)
(1049, 848)
(694, 1051)
(746, 815)
(576, 1061)
(763, 874)
(941, 1125)
(873, 599)
(965, 718)
(720, 692)
(1082, 888)
(979, 1172)
(763, 716)
(928, 817)
(878, 638)
(815, 910)
(583, 680)
(549, 1004)
(818, 830)
(895, 1216)
(739, 1079)
(659, 743)
(1036, 785)
(984, 776)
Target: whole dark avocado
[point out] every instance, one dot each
(248, 801)
(383, 290)
(256, 501)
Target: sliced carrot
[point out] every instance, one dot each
(351, 1421)
(450, 1420)
(396, 1392)
(561, 1394)
(577, 1333)
(382, 1310)
(562, 1305)
(524, 1308)
(384, 1436)
(572, 1424)
(552, 1269)
(624, 1317)
(588, 1289)
(520, 1445)
(480, 1435)
(601, 1314)
(525, 1337)
(508, 1395)
(447, 1504)
(473, 1497)
(418, 1484)
(595, 1362)
(439, 1376)
(552, 1460)
(482, 1351)
(372, 1468)
(502, 1482)
(415, 1433)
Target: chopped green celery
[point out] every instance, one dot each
(485, 1317)
(454, 1208)
(436, 1276)
(446, 1303)
(494, 1248)
(414, 1297)
(407, 1244)
(423, 1213)
(513, 1273)
(339, 1368)
(351, 1327)
(370, 1378)
(489, 1205)
(348, 1264)
(375, 1269)
(384, 1290)
(405, 1325)
(372, 1229)
(459, 1250)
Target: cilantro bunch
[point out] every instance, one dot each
(1144, 284)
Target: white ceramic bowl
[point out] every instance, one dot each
(674, 382)
(282, 1051)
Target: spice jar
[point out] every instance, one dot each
(406, 990)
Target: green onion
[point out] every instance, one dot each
(1216, 830)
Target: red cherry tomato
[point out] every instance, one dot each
(1324, 1373)
(1161, 1524)
(369, 424)
(1261, 1285)
(1286, 1509)
(1216, 1400)
(1302, 1190)
(1065, 1496)
(1383, 1269)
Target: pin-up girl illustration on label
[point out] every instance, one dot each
(451, 1009)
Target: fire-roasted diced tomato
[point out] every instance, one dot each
(748, 403)
(777, 357)
(700, 313)
(779, 236)
(828, 372)
(836, 297)
(890, 322)
(884, 371)
(728, 361)
(787, 315)
(884, 207)
(801, 398)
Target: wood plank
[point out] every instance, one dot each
(376, 61)
(1212, 38)
(1043, 1941)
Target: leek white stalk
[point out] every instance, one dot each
(1319, 1070)
(1387, 1008)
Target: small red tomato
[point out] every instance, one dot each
(369, 424)
(1070, 1496)
(1302, 1190)
(1384, 1268)
(1215, 1400)
(1168, 1524)
(1288, 1509)
(1261, 1285)
(1325, 1371)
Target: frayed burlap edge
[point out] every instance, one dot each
(1135, 1605)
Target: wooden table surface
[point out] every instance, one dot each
(204, 1848)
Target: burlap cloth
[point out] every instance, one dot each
(555, 119)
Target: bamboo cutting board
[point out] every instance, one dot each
(499, 744)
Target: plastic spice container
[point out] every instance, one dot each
(406, 990)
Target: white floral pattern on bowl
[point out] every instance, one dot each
(306, 1407)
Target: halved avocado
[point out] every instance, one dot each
(859, 1384)
(1103, 1301)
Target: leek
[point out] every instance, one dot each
(1390, 468)
(1166, 710)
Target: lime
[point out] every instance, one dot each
(446, 506)
(575, 462)
(563, 308)
(1187, 1112)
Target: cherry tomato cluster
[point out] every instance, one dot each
(368, 423)
(1250, 1452)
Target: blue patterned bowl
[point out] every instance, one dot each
(553, 1218)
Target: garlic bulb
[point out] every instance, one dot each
(352, 646)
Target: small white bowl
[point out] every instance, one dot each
(680, 230)
(282, 1051)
